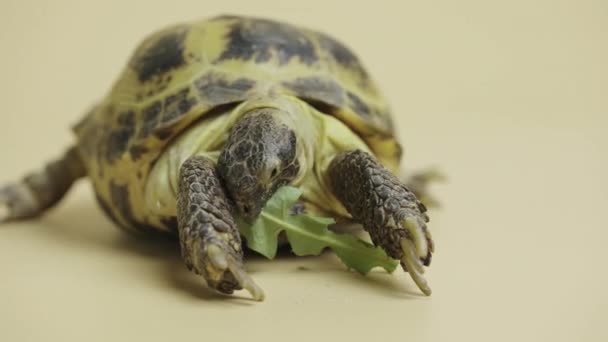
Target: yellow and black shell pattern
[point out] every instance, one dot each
(189, 71)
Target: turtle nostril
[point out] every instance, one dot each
(246, 209)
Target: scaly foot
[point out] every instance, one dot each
(389, 211)
(222, 269)
(210, 240)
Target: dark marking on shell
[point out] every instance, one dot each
(151, 115)
(260, 40)
(160, 84)
(137, 151)
(117, 144)
(358, 105)
(166, 53)
(177, 105)
(106, 209)
(323, 107)
(317, 89)
(127, 119)
(164, 133)
(118, 139)
(221, 109)
(215, 88)
(342, 54)
(119, 195)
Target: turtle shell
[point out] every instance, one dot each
(185, 72)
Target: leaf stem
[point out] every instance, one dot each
(330, 238)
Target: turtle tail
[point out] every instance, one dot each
(41, 190)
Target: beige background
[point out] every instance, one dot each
(508, 98)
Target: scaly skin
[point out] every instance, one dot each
(41, 190)
(392, 215)
(258, 158)
(209, 238)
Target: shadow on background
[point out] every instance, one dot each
(82, 224)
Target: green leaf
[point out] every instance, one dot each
(308, 235)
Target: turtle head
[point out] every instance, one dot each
(259, 157)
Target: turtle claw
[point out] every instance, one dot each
(246, 282)
(418, 236)
(417, 249)
(226, 274)
(414, 266)
(430, 241)
(217, 257)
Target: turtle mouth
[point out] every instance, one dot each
(248, 211)
(251, 203)
(251, 208)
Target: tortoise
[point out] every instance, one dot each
(209, 118)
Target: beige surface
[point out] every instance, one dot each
(509, 99)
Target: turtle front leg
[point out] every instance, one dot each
(210, 241)
(389, 212)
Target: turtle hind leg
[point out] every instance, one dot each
(389, 212)
(209, 239)
(419, 184)
(41, 190)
